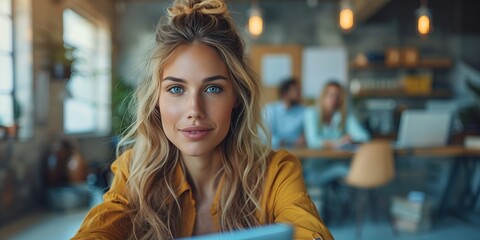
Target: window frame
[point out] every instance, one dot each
(10, 53)
(100, 24)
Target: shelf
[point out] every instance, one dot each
(387, 93)
(428, 63)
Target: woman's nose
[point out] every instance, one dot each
(195, 107)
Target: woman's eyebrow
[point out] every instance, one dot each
(208, 79)
(213, 78)
(174, 79)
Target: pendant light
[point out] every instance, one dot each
(255, 20)
(424, 19)
(346, 18)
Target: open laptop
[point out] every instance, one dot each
(420, 128)
(277, 231)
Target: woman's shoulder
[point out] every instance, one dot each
(279, 159)
(311, 112)
(123, 161)
(283, 179)
(312, 109)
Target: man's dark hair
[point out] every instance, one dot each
(285, 86)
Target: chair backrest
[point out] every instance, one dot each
(372, 165)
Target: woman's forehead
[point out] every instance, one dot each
(195, 60)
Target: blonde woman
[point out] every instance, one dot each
(197, 164)
(329, 125)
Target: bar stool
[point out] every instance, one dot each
(371, 168)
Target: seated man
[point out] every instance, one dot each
(284, 117)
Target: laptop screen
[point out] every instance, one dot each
(419, 128)
(274, 231)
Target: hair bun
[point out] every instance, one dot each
(187, 7)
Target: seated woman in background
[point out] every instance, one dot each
(329, 125)
(196, 163)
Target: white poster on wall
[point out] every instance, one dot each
(275, 69)
(320, 65)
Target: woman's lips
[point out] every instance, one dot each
(195, 133)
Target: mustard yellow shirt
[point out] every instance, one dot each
(284, 200)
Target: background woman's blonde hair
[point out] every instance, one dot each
(155, 209)
(342, 103)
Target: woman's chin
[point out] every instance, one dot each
(198, 148)
(196, 151)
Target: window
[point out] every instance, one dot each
(87, 107)
(7, 117)
(16, 66)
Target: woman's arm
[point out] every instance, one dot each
(289, 201)
(355, 130)
(110, 220)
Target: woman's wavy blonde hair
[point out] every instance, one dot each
(342, 103)
(154, 206)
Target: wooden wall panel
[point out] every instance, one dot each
(257, 52)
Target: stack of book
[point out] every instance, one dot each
(410, 216)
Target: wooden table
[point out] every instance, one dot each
(325, 154)
(332, 154)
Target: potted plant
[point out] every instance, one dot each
(122, 94)
(59, 55)
(12, 130)
(62, 59)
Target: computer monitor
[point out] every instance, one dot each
(277, 231)
(419, 128)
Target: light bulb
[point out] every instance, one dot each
(424, 20)
(346, 18)
(423, 25)
(255, 22)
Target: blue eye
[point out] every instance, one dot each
(213, 89)
(175, 90)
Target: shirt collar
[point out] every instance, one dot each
(180, 181)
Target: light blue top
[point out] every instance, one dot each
(316, 135)
(285, 124)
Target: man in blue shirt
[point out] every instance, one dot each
(284, 117)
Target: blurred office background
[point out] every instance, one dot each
(66, 67)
